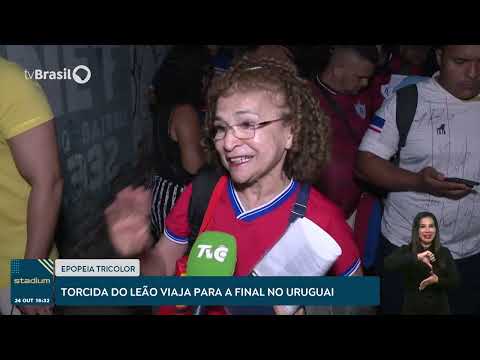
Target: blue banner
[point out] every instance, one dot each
(32, 282)
(147, 290)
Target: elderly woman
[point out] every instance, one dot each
(266, 130)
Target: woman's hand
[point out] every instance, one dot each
(427, 257)
(128, 220)
(432, 279)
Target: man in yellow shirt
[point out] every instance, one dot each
(30, 177)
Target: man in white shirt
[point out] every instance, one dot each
(443, 142)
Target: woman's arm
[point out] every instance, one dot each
(161, 259)
(401, 258)
(186, 130)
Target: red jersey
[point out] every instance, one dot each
(257, 230)
(348, 127)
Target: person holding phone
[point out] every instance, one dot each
(442, 143)
(467, 182)
(428, 269)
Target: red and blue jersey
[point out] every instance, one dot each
(377, 124)
(257, 230)
(347, 127)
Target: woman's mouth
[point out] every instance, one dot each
(238, 160)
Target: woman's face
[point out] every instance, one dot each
(261, 157)
(426, 231)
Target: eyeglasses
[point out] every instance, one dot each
(242, 131)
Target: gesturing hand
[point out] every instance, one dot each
(432, 279)
(128, 220)
(427, 257)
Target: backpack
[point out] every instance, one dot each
(202, 187)
(407, 101)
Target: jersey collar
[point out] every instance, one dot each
(252, 214)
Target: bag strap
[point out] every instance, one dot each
(407, 100)
(298, 210)
(212, 204)
(202, 188)
(300, 206)
(205, 194)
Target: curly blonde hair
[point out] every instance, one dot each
(310, 125)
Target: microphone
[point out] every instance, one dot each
(214, 253)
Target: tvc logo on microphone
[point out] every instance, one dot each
(218, 254)
(214, 253)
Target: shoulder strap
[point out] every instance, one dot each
(202, 188)
(407, 99)
(297, 211)
(300, 206)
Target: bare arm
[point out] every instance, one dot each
(35, 153)
(380, 172)
(186, 128)
(161, 259)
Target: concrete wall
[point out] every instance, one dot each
(103, 129)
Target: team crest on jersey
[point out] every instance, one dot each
(386, 90)
(361, 110)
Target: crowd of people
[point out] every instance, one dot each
(378, 139)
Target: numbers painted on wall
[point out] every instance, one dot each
(94, 169)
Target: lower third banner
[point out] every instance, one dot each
(197, 290)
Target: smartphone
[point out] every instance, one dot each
(469, 183)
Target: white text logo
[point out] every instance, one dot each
(65, 74)
(219, 254)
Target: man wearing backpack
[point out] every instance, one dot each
(442, 142)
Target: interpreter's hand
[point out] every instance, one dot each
(432, 279)
(433, 182)
(36, 310)
(427, 257)
(128, 220)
